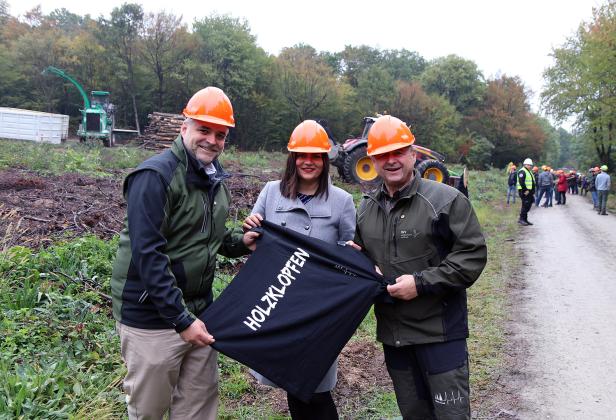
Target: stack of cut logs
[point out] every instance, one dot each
(162, 129)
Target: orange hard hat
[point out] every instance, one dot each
(388, 133)
(309, 137)
(210, 105)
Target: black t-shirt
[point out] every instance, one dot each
(293, 306)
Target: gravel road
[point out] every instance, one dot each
(565, 314)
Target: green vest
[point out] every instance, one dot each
(194, 230)
(528, 180)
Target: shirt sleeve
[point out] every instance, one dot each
(466, 252)
(260, 206)
(357, 238)
(147, 204)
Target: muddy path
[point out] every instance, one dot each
(563, 316)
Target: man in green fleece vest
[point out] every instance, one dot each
(177, 205)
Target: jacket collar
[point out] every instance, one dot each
(319, 206)
(381, 193)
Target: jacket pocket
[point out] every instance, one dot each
(411, 262)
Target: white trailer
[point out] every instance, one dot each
(23, 124)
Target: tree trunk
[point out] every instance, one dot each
(131, 82)
(136, 113)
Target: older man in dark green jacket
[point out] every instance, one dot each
(426, 235)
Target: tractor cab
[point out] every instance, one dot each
(99, 99)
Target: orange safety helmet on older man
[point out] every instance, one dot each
(388, 133)
(309, 137)
(210, 105)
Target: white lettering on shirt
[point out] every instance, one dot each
(288, 273)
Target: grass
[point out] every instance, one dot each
(87, 158)
(59, 357)
(488, 297)
(59, 352)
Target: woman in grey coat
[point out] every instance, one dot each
(306, 202)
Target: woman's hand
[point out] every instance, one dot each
(354, 245)
(252, 221)
(250, 238)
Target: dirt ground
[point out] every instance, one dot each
(561, 350)
(36, 210)
(361, 366)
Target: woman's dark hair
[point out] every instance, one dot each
(289, 183)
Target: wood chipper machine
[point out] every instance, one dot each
(97, 115)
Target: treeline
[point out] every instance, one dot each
(154, 62)
(582, 84)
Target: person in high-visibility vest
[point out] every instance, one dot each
(526, 190)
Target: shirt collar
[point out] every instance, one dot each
(209, 169)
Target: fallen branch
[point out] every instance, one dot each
(83, 283)
(36, 219)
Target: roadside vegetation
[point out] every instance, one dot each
(59, 357)
(83, 158)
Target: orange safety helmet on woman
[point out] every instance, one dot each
(388, 133)
(210, 105)
(309, 137)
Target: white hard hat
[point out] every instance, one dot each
(528, 161)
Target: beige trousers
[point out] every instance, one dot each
(167, 374)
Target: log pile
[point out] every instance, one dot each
(162, 129)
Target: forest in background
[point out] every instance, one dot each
(153, 61)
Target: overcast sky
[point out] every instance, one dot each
(502, 37)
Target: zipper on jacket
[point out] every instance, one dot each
(394, 236)
(204, 214)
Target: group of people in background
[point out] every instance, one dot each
(532, 186)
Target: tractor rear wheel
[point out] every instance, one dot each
(358, 167)
(434, 170)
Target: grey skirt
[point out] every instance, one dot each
(327, 384)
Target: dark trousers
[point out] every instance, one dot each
(602, 195)
(527, 203)
(431, 381)
(561, 197)
(320, 406)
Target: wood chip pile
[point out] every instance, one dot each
(162, 129)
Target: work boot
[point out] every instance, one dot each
(604, 214)
(528, 223)
(523, 223)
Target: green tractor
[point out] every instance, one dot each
(356, 167)
(97, 115)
